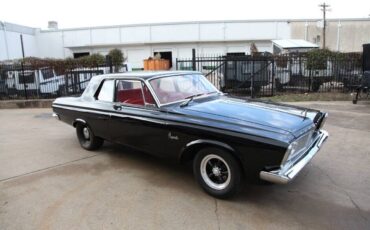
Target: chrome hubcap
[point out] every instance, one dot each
(215, 172)
(86, 133)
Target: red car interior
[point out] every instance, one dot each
(130, 96)
(135, 96)
(148, 96)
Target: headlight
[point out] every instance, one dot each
(292, 148)
(297, 147)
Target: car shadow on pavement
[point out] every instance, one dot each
(299, 199)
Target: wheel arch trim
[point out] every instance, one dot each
(201, 142)
(78, 120)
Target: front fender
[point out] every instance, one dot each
(191, 148)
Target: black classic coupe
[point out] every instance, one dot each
(182, 116)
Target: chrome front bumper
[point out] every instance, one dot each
(286, 174)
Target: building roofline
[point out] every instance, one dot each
(30, 30)
(204, 22)
(13, 27)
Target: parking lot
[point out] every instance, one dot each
(47, 181)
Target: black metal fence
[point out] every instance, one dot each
(268, 75)
(19, 81)
(256, 76)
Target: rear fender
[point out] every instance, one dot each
(78, 120)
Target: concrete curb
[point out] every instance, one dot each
(19, 104)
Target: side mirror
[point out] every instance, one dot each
(117, 107)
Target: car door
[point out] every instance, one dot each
(99, 115)
(136, 121)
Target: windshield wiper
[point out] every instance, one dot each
(190, 98)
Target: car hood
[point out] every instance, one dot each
(277, 118)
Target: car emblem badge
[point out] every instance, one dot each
(172, 137)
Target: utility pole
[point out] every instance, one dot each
(22, 66)
(324, 7)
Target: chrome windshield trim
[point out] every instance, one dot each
(147, 83)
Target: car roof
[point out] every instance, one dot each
(146, 74)
(95, 81)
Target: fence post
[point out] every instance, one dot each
(309, 80)
(108, 60)
(193, 59)
(24, 80)
(252, 80)
(272, 76)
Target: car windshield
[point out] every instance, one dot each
(177, 88)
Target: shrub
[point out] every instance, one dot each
(117, 59)
(91, 61)
(317, 59)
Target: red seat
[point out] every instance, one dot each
(130, 96)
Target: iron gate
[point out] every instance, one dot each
(242, 75)
(267, 75)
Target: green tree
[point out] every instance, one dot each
(117, 59)
(318, 58)
(91, 61)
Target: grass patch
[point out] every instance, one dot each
(311, 97)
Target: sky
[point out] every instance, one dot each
(78, 13)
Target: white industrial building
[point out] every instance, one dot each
(140, 41)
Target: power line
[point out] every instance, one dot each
(324, 7)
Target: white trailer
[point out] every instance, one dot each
(33, 82)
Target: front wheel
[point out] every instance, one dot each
(87, 138)
(217, 172)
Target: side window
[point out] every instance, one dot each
(106, 91)
(133, 92)
(130, 92)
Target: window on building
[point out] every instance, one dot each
(165, 55)
(106, 91)
(80, 54)
(235, 54)
(317, 39)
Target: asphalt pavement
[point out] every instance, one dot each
(47, 181)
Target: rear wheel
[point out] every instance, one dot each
(87, 138)
(217, 172)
